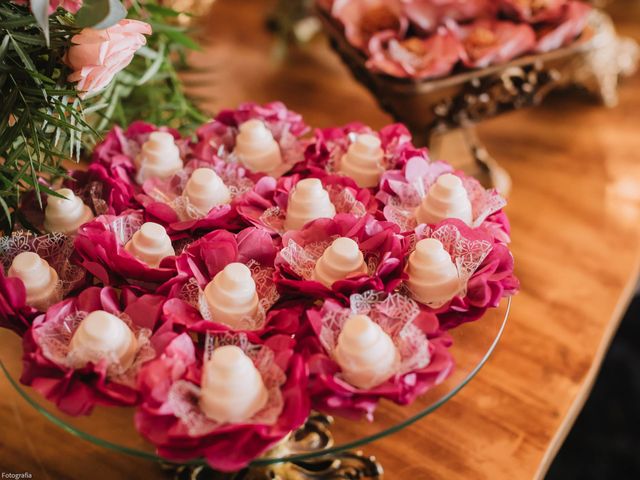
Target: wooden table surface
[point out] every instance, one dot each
(575, 212)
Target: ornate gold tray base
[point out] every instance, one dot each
(314, 436)
(433, 109)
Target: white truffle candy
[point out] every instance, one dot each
(363, 161)
(232, 389)
(433, 277)
(366, 353)
(158, 158)
(205, 190)
(103, 335)
(231, 296)
(342, 259)
(39, 278)
(256, 148)
(308, 201)
(65, 215)
(150, 244)
(447, 198)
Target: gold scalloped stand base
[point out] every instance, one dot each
(315, 437)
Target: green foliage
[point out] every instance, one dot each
(43, 123)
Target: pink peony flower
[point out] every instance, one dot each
(565, 29)
(428, 15)
(493, 42)
(418, 58)
(490, 281)
(71, 6)
(364, 18)
(96, 56)
(266, 205)
(170, 416)
(424, 357)
(533, 11)
(383, 248)
(101, 247)
(74, 388)
(217, 139)
(324, 152)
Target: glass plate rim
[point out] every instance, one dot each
(273, 460)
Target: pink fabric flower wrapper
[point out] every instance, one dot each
(424, 357)
(402, 191)
(50, 366)
(266, 205)
(383, 248)
(101, 247)
(216, 140)
(204, 259)
(164, 203)
(485, 267)
(170, 417)
(328, 146)
(57, 250)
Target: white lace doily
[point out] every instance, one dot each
(342, 198)
(54, 337)
(302, 259)
(400, 208)
(467, 254)
(184, 396)
(394, 313)
(268, 295)
(170, 192)
(55, 248)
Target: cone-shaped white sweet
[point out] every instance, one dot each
(150, 244)
(433, 277)
(232, 388)
(39, 278)
(308, 201)
(447, 198)
(65, 215)
(366, 353)
(231, 295)
(159, 157)
(205, 190)
(102, 334)
(340, 260)
(363, 161)
(256, 148)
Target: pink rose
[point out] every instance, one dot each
(364, 18)
(69, 5)
(97, 55)
(569, 26)
(533, 11)
(414, 57)
(427, 15)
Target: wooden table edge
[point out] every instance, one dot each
(583, 394)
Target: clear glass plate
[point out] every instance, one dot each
(113, 427)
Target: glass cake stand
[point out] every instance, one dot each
(322, 447)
